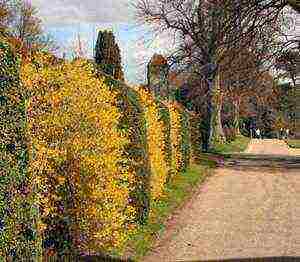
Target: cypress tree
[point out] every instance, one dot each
(107, 55)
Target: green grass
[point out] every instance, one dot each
(293, 143)
(236, 146)
(177, 191)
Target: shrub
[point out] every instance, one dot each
(90, 155)
(133, 121)
(185, 147)
(156, 130)
(78, 158)
(180, 136)
(17, 232)
(175, 135)
(164, 116)
(196, 139)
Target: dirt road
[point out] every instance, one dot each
(271, 146)
(237, 213)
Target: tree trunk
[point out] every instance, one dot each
(236, 121)
(216, 135)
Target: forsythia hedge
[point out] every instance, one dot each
(82, 178)
(179, 137)
(136, 152)
(164, 116)
(156, 144)
(168, 137)
(83, 159)
(185, 142)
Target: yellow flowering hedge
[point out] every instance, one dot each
(136, 152)
(180, 136)
(156, 130)
(168, 139)
(164, 116)
(95, 151)
(82, 177)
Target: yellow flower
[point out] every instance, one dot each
(83, 134)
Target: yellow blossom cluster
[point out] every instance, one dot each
(155, 140)
(96, 149)
(75, 153)
(177, 157)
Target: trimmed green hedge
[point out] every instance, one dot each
(185, 144)
(196, 139)
(133, 121)
(17, 233)
(165, 117)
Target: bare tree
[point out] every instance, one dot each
(26, 27)
(4, 16)
(288, 63)
(205, 29)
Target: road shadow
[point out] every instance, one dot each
(253, 259)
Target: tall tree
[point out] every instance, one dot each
(206, 29)
(239, 80)
(107, 54)
(26, 27)
(288, 63)
(4, 16)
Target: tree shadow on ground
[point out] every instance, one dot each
(253, 259)
(103, 258)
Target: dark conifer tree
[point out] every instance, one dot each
(107, 55)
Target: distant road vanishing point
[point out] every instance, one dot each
(270, 147)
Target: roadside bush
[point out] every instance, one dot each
(133, 121)
(77, 156)
(196, 138)
(17, 232)
(164, 116)
(185, 143)
(180, 137)
(83, 157)
(156, 130)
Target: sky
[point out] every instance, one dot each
(64, 19)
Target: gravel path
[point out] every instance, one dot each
(237, 213)
(271, 146)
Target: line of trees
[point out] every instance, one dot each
(228, 45)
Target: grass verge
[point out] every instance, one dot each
(236, 146)
(176, 193)
(293, 143)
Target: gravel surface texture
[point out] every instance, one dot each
(271, 146)
(237, 213)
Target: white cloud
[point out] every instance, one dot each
(65, 18)
(64, 12)
(139, 52)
